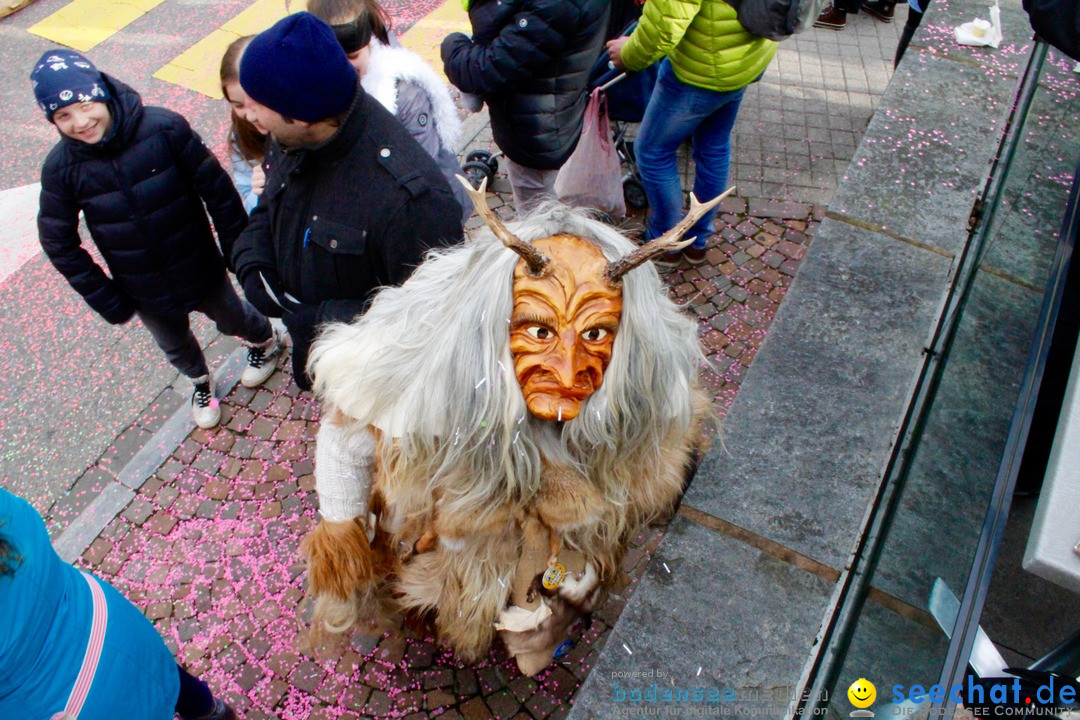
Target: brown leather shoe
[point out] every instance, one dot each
(668, 260)
(694, 256)
(883, 10)
(832, 18)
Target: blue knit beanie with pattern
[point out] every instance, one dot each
(65, 77)
(298, 69)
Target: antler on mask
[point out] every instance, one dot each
(668, 242)
(537, 262)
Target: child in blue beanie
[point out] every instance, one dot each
(141, 175)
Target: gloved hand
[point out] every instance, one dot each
(302, 322)
(262, 288)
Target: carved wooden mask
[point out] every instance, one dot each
(563, 327)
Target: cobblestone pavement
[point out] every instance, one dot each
(208, 546)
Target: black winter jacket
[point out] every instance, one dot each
(341, 219)
(142, 192)
(530, 60)
(1057, 22)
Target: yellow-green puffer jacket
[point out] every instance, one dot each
(707, 46)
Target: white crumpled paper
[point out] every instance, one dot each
(981, 32)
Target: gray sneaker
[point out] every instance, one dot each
(205, 407)
(262, 361)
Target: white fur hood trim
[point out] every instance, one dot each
(388, 65)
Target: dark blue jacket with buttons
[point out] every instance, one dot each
(142, 191)
(341, 219)
(530, 60)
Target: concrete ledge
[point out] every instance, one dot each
(809, 431)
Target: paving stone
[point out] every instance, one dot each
(465, 682)
(307, 676)
(475, 709)
(391, 650)
(379, 704)
(291, 431)
(97, 551)
(522, 688)
(503, 704)
(271, 690)
(186, 506)
(283, 663)
(736, 293)
(491, 679)
(543, 704)
(139, 510)
(262, 428)
(161, 522)
(261, 402)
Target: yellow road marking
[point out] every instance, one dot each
(197, 67)
(425, 37)
(83, 24)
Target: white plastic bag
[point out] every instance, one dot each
(981, 32)
(592, 176)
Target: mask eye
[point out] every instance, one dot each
(539, 332)
(594, 334)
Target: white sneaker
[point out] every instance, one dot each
(262, 361)
(205, 407)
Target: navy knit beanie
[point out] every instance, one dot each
(298, 69)
(65, 77)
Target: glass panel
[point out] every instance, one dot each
(946, 486)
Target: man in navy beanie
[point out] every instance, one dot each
(352, 201)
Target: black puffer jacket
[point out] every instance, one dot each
(1057, 22)
(341, 219)
(530, 60)
(142, 192)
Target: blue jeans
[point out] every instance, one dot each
(678, 111)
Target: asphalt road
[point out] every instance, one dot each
(71, 385)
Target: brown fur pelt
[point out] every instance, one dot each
(344, 577)
(466, 585)
(463, 582)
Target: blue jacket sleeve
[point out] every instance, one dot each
(241, 175)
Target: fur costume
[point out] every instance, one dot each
(476, 495)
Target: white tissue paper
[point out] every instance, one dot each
(982, 32)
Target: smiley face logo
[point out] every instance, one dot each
(862, 693)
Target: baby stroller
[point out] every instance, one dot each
(627, 97)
